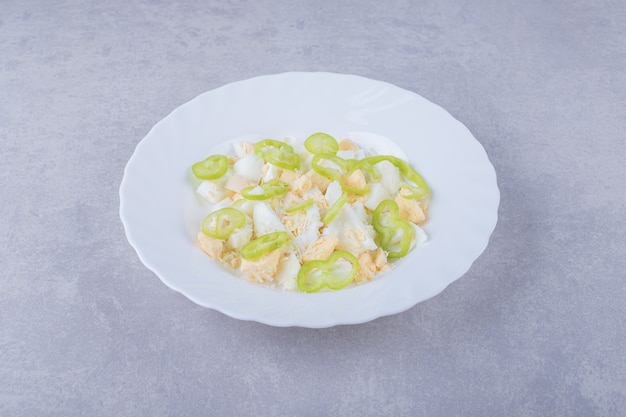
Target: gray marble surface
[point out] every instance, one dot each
(535, 328)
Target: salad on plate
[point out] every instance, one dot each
(309, 216)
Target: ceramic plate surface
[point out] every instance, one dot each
(160, 212)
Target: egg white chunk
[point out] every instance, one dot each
(288, 272)
(311, 229)
(250, 167)
(265, 220)
(389, 176)
(211, 191)
(240, 236)
(378, 193)
(333, 192)
(354, 235)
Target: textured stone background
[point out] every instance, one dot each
(535, 328)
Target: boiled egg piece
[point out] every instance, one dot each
(353, 234)
(249, 167)
(265, 220)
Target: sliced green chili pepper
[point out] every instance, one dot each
(212, 168)
(277, 153)
(344, 168)
(352, 165)
(421, 189)
(417, 193)
(353, 190)
(320, 142)
(329, 172)
(300, 206)
(387, 222)
(263, 245)
(335, 209)
(265, 191)
(316, 274)
(365, 166)
(221, 223)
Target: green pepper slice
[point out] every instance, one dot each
(314, 275)
(320, 142)
(265, 191)
(348, 167)
(335, 208)
(300, 206)
(386, 221)
(221, 223)
(353, 190)
(329, 172)
(277, 153)
(365, 166)
(420, 188)
(263, 245)
(212, 168)
(344, 168)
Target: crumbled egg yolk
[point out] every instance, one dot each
(347, 145)
(263, 269)
(320, 249)
(410, 210)
(212, 247)
(356, 180)
(318, 181)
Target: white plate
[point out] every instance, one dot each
(157, 203)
